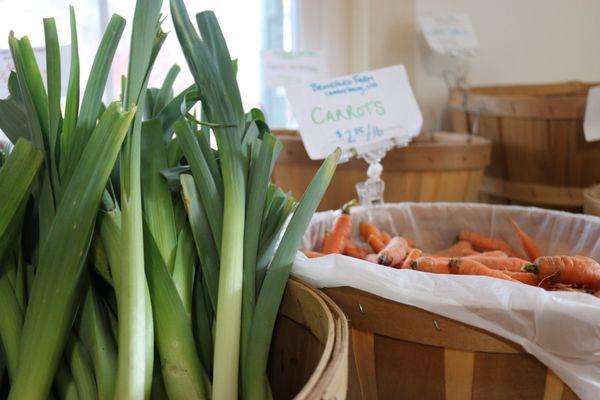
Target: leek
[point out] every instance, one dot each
(135, 358)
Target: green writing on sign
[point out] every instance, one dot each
(320, 116)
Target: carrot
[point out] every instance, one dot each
(367, 229)
(336, 240)
(375, 243)
(487, 243)
(430, 264)
(495, 254)
(564, 288)
(385, 237)
(532, 250)
(412, 256)
(394, 252)
(458, 249)
(575, 270)
(372, 258)
(467, 266)
(513, 264)
(411, 243)
(524, 277)
(313, 254)
(352, 249)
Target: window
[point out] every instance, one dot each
(249, 27)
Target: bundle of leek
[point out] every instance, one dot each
(135, 260)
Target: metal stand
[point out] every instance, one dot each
(455, 78)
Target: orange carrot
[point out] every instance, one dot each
(500, 263)
(413, 255)
(411, 243)
(487, 243)
(524, 277)
(352, 249)
(394, 252)
(372, 258)
(375, 243)
(385, 237)
(465, 266)
(495, 254)
(336, 240)
(367, 229)
(458, 249)
(532, 250)
(313, 254)
(430, 264)
(575, 270)
(563, 287)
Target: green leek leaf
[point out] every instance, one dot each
(277, 275)
(57, 282)
(72, 101)
(211, 198)
(165, 94)
(205, 245)
(92, 96)
(182, 370)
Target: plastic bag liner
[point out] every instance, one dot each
(561, 329)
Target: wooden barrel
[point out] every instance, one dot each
(447, 168)
(539, 154)
(591, 200)
(403, 352)
(309, 351)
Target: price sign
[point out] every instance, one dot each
(359, 112)
(591, 121)
(282, 68)
(447, 33)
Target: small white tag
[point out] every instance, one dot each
(359, 112)
(591, 121)
(282, 68)
(446, 33)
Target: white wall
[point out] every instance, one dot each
(522, 41)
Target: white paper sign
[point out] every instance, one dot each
(591, 121)
(360, 111)
(282, 68)
(446, 33)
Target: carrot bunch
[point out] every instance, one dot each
(472, 254)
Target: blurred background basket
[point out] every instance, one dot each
(591, 200)
(539, 154)
(448, 167)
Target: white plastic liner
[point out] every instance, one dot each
(561, 329)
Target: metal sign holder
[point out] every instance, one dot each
(457, 78)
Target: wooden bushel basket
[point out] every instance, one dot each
(447, 168)
(309, 350)
(539, 154)
(403, 352)
(591, 202)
